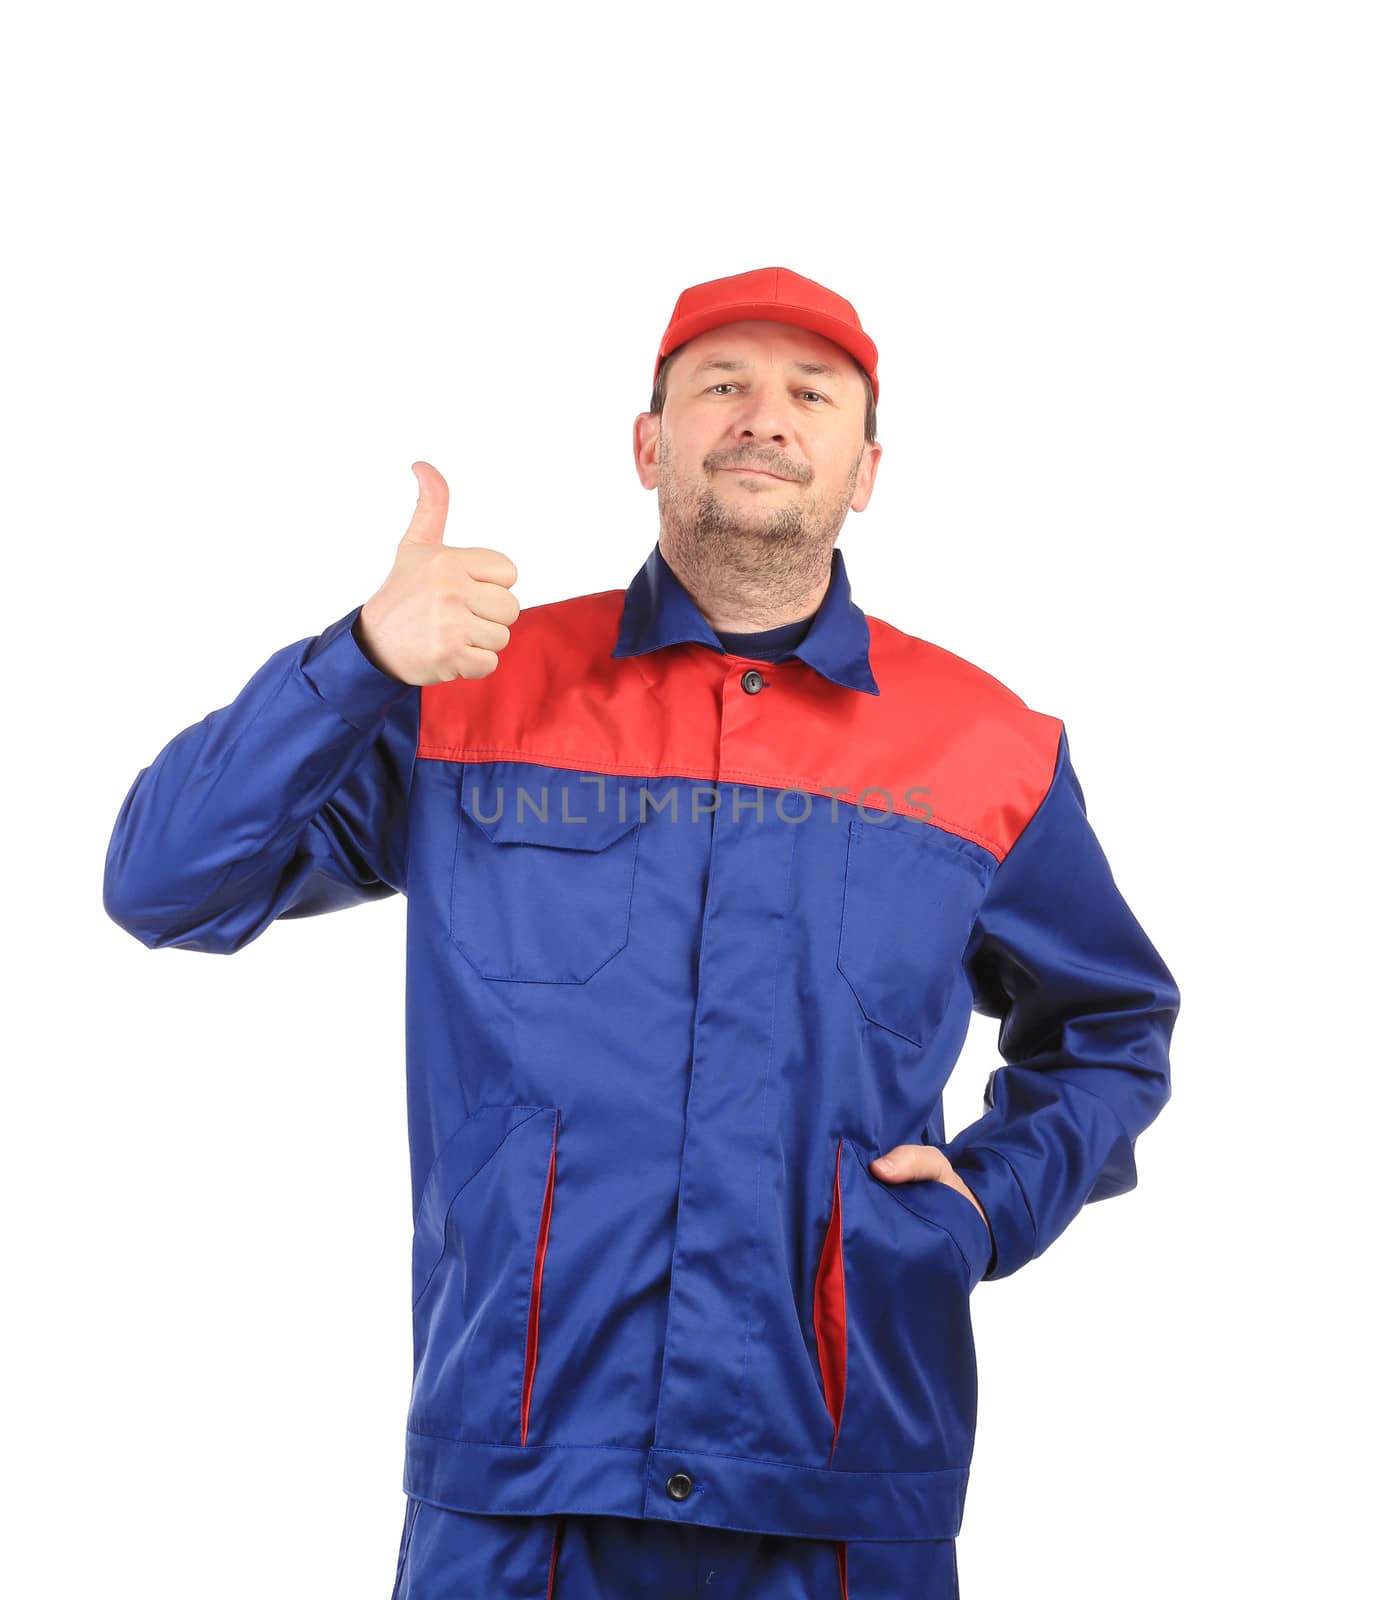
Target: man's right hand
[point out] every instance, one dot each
(442, 612)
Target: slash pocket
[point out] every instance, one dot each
(477, 1268)
(829, 1307)
(912, 1253)
(909, 907)
(542, 892)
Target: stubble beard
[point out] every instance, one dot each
(738, 547)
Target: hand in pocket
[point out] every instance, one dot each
(906, 1162)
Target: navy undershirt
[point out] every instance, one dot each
(770, 644)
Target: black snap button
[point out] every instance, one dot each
(752, 680)
(679, 1486)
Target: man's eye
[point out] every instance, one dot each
(714, 387)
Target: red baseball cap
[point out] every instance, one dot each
(770, 294)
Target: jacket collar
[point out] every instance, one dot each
(660, 611)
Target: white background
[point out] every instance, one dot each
(1130, 269)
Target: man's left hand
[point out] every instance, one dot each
(911, 1161)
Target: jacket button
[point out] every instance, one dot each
(679, 1486)
(752, 680)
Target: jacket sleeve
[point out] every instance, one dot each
(289, 802)
(1086, 1009)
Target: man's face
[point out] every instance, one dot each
(749, 395)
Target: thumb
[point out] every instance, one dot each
(915, 1161)
(428, 525)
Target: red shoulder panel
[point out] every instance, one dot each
(943, 741)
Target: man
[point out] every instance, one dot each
(704, 879)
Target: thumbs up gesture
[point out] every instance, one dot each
(443, 612)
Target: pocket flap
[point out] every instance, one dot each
(565, 810)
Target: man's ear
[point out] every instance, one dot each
(868, 471)
(646, 444)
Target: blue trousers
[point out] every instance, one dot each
(450, 1555)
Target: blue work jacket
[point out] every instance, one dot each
(692, 938)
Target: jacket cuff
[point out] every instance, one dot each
(990, 1177)
(343, 676)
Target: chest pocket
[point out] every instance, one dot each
(910, 899)
(543, 876)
